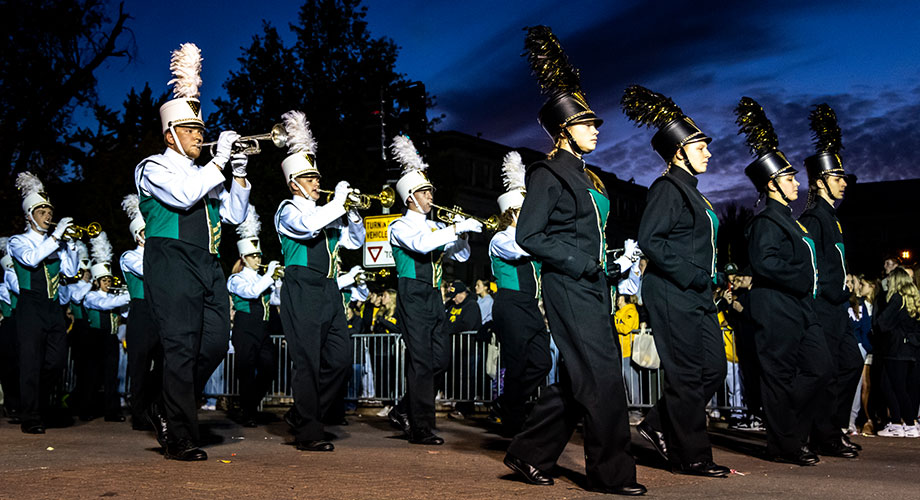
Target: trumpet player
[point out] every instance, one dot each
(251, 294)
(40, 256)
(184, 205)
(312, 313)
(145, 354)
(103, 313)
(419, 247)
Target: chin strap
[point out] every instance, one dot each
(781, 193)
(572, 144)
(830, 194)
(36, 225)
(172, 130)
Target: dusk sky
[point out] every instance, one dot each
(859, 57)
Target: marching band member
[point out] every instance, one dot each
(102, 311)
(790, 346)
(678, 234)
(419, 247)
(145, 354)
(251, 294)
(826, 184)
(40, 256)
(183, 206)
(311, 236)
(9, 345)
(516, 314)
(562, 224)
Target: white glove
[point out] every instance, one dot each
(348, 279)
(623, 263)
(342, 190)
(225, 147)
(239, 161)
(631, 249)
(272, 267)
(62, 227)
(468, 226)
(354, 272)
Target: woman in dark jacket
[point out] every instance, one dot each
(897, 338)
(678, 235)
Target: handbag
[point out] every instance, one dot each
(644, 352)
(493, 353)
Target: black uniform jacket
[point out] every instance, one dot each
(557, 195)
(678, 232)
(824, 228)
(781, 252)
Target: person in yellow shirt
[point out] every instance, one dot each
(626, 320)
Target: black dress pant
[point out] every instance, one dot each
(145, 358)
(187, 293)
(9, 364)
(420, 311)
(255, 359)
(88, 359)
(110, 347)
(689, 343)
(795, 367)
(525, 352)
(897, 386)
(42, 352)
(313, 319)
(846, 363)
(591, 387)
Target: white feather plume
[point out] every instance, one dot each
(4, 241)
(185, 65)
(406, 155)
(82, 252)
(131, 205)
(251, 226)
(28, 184)
(513, 171)
(101, 249)
(299, 137)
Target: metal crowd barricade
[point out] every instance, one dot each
(378, 374)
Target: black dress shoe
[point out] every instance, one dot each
(705, 469)
(530, 473)
(32, 427)
(185, 451)
(318, 445)
(630, 489)
(114, 418)
(803, 457)
(836, 448)
(399, 420)
(849, 444)
(425, 436)
(654, 437)
(160, 427)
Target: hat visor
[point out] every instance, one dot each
(587, 118)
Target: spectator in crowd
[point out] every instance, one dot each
(890, 263)
(385, 322)
(739, 318)
(484, 299)
(371, 307)
(898, 336)
(625, 321)
(861, 324)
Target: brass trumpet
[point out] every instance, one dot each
(277, 275)
(249, 145)
(447, 216)
(365, 276)
(76, 232)
(386, 197)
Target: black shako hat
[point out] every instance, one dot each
(567, 103)
(826, 134)
(675, 129)
(761, 139)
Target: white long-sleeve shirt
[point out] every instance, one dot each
(79, 290)
(505, 247)
(11, 280)
(5, 293)
(133, 261)
(176, 181)
(101, 301)
(301, 219)
(32, 247)
(249, 284)
(413, 231)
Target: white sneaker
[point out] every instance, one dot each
(911, 431)
(851, 430)
(892, 430)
